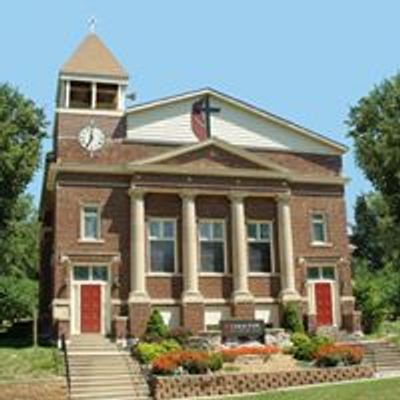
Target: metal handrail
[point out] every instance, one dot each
(66, 362)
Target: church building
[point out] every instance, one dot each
(199, 205)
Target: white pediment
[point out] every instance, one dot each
(237, 123)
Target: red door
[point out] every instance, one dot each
(90, 308)
(323, 298)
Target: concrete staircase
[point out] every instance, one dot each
(383, 355)
(100, 371)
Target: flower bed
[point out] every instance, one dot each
(331, 355)
(189, 361)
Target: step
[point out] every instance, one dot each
(111, 382)
(108, 394)
(84, 378)
(112, 397)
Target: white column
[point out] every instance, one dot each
(138, 244)
(239, 249)
(289, 291)
(67, 93)
(190, 248)
(94, 95)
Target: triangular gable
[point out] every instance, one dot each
(210, 154)
(239, 123)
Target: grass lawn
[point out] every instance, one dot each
(384, 389)
(19, 360)
(28, 363)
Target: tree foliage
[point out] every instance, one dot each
(19, 252)
(375, 128)
(375, 233)
(18, 298)
(22, 128)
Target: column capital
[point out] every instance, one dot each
(188, 194)
(136, 192)
(237, 196)
(283, 197)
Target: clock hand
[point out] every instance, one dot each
(90, 139)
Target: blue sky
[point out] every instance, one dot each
(307, 61)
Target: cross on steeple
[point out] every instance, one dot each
(92, 24)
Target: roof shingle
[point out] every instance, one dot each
(93, 58)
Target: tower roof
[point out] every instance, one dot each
(92, 57)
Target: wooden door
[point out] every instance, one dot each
(323, 299)
(90, 308)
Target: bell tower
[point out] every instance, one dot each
(90, 101)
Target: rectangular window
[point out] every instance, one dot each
(80, 95)
(321, 273)
(162, 239)
(106, 96)
(81, 273)
(91, 223)
(212, 246)
(99, 273)
(318, 226)
(259, 240)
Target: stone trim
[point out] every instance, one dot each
(195, 386)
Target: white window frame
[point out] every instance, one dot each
(324, 221)
(271, 242)
(223, 240)
(149, 239)
(320, 276)
(83, 238)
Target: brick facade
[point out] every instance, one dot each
(62, 247)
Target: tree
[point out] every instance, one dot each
(22, 128)
(375, 233)
(18, 298)
(19, 254)
(375, 128)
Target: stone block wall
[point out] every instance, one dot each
(165, 388)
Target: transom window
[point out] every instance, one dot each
(260, 248)
(90, 229)
(162, 239)
(318, 227)
(212, 246)
(321, 273)
(91, 273)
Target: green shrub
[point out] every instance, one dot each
(147, 352)
(156, 328)
(290, 318)
(215, 362)
(304, 347)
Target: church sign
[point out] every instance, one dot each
(243, 330)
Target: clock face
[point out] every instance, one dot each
(91, 138)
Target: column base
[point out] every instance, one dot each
(289, 295)
(242, 297)
(242, 310)
(192, 297)
(139, 313)
(193, 316)
(138, 297)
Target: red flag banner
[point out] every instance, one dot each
(199, 120)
